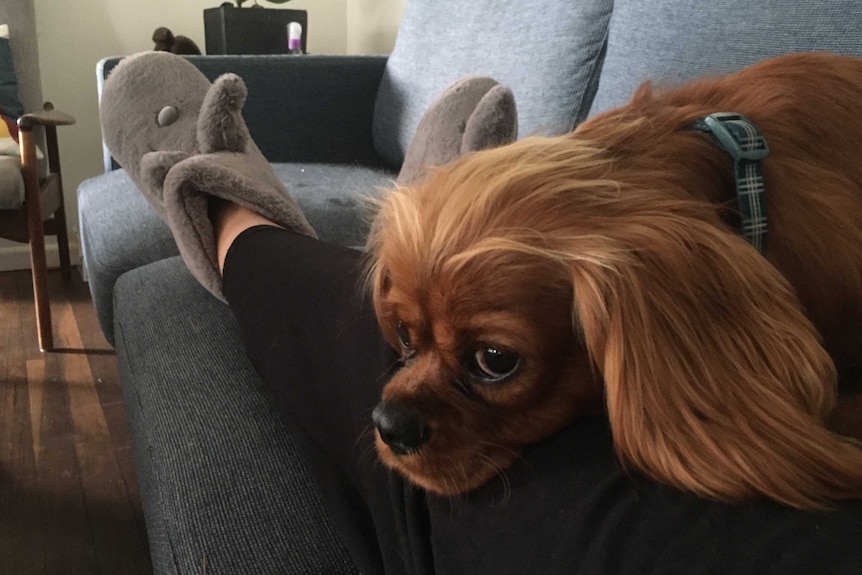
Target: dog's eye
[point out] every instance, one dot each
(494, 364)
(403, 336)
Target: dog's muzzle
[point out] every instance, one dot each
(402, 428)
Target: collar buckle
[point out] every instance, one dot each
(736, 135)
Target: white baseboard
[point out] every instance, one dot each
(17, 256)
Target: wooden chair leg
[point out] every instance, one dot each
(39, 264)
(63, 243)
(36, 230)
(60, 214)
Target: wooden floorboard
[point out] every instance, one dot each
(20, 520)
(69, 501)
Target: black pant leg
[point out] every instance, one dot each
(312, 335)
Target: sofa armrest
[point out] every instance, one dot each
(300, 108)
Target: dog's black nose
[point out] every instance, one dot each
(402, 428)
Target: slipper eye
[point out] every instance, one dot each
(493, 364)
(167, 116)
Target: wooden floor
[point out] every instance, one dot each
(68, 497)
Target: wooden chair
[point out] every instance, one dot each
(43, 212)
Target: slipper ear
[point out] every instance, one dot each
(716, 381)
(471, 114)
(221, 127)
(493, 123)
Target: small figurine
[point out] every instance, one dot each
(167, 42)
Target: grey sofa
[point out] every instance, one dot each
(219, 475)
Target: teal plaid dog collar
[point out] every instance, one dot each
(737, 136)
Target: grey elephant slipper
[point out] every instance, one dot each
(472, 114)
(183, 140)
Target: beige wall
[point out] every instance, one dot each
(372, 25)
(74, 36)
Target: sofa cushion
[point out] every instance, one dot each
(219, 473)
(120, 231)
(333, 197)
(548, 52)
(673, 41)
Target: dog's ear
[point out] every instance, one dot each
(716, 382)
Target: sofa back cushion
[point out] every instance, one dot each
(548, 52)
(673, 41)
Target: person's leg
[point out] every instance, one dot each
(312, 336)
(229, 221)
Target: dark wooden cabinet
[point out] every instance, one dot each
(230, 30)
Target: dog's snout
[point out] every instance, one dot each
(402, 428)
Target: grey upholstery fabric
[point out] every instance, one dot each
(119, 232)
(113, 212)
(334, 197)
(549, 53)
(673, 41)
(235, 493)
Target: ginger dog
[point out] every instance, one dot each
(529, 284)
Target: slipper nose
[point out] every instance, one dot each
(400, 427)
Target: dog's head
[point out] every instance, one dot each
(516, 281)
(490, 363)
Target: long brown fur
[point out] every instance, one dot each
(610, 260)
